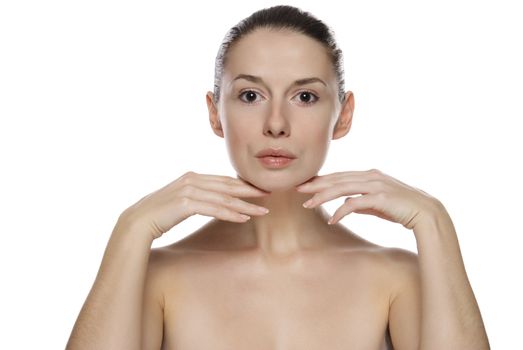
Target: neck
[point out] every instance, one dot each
(288, 227)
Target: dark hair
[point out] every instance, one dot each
(282, 17)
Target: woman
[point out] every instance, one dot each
(290, 277)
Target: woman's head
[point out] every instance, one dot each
(283, 18)
(264, 97)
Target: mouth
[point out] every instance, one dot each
(275, 153)
(275, 162)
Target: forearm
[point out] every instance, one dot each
(111, 315)
(451, 317)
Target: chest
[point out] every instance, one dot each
(240, 308)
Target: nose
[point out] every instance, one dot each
(276, 124)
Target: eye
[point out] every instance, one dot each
(305, 97)
(250, 94)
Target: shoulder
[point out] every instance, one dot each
(400, 258)
(166, 259)
(163, 268)
(390, 259)
(169, 264)
(403, 262)
(398, 262)
(402, 267)
(394, 269)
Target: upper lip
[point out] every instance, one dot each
(275, 152)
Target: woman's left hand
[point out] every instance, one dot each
(381, 195)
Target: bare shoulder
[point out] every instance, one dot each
(163, 262)
(402, 268)
(387, 257)
(404, 262)
(391, 268)
(399, 258)
(168, 264)
(162, 271)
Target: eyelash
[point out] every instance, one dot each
(305, 103)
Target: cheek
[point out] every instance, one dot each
(237, 135)
(318, 140)
(237, 132)
(318, 134)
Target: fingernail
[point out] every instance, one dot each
(263, 210)
(307, 203)
(245, 217)
(330, 220)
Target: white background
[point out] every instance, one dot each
(102, 102)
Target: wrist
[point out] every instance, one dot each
(436, 217)
(132, 231)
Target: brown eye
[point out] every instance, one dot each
(306, 96)
(250, 96)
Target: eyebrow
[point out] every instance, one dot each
(298, 82)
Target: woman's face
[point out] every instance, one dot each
(267, 110)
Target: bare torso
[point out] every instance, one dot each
(220, 297)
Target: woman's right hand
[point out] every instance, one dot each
(192, 193)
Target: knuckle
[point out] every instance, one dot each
(229, 186)
(375, 174)
(230, 181)
(186, 178)
(378, 185)
(382, 196)
(224, 212)
(187, 190)
(186, 202)
(228, 200)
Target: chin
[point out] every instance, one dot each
(274, 185)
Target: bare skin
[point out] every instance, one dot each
(281, 280)
(220, 291)
(284, 279)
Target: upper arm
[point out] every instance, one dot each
(405, 302)
(153, 305)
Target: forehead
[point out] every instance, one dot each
(278, 55)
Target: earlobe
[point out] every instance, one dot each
(214, 118)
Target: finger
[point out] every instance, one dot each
(261, 191)
(237, 182)
(217, 211)
(223, 195)
(343, 189)
(354, 204)
(233, 188)
(220, 183)
(317, 187)
(229, 181)
(225, 179)
(326, 181)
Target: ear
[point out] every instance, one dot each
(344, 121)
(214, 118)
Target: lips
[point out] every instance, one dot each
(275, 152)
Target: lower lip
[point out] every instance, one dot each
(275, 162)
